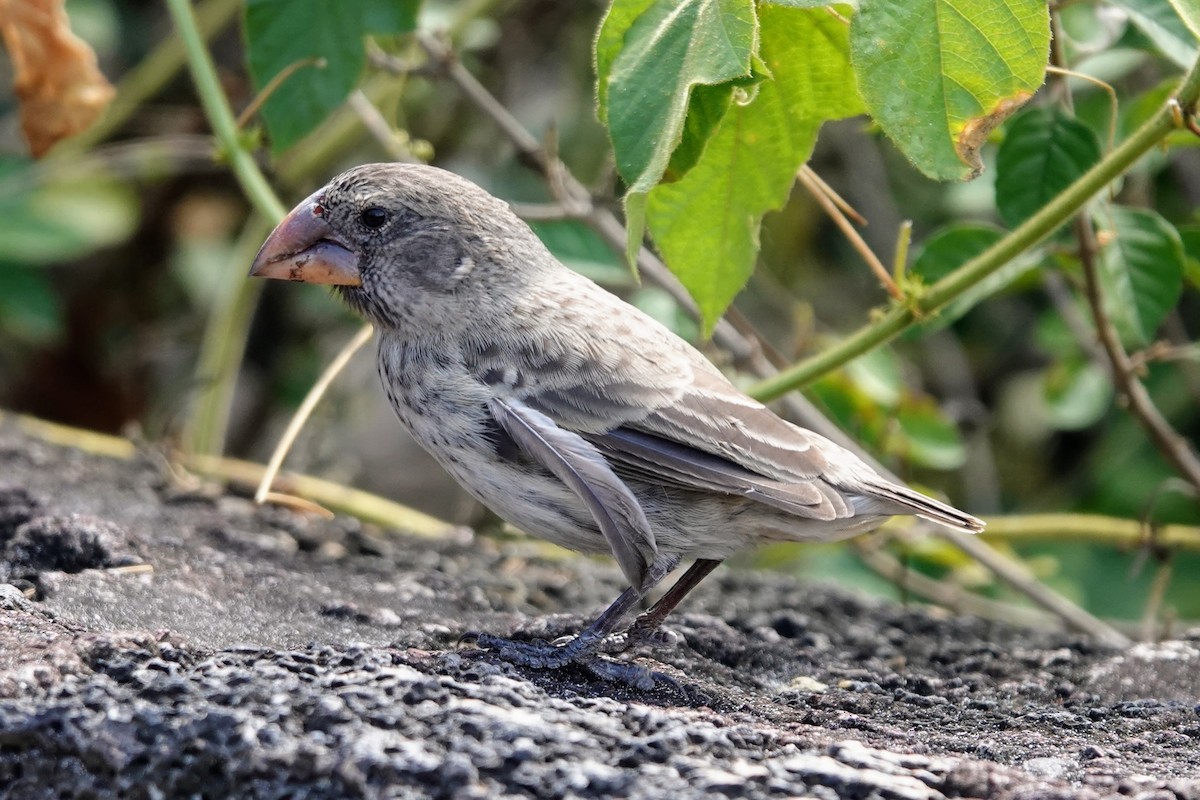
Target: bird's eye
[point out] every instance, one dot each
(373, 217)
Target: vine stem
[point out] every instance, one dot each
(220, 115)
(1047, 220)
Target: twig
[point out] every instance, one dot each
(273, 84)
(1091, 528)
(860, 246)
(364, 505)
(306, 408)
(378, 127)
(832, 194)
(1174, 448)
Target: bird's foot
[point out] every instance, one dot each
(581, 651)
(653, 638)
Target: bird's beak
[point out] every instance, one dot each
(305, 248)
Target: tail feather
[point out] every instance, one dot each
(903, 500)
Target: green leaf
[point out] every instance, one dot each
(611, 38)
(876, 373)
(1141, 271)
(1078, 394)
(706, 224)
(1044, 151)
(581, 248)
(928, 438)
(29, 308)
(951, 247)
(282, 33)
(63, 220)
(1189, 12)
(670, 48)
(1190, 235)
(939, 75)
(1164, 26)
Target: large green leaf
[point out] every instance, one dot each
(706, 224)
(1189, 12)
(1141, 269)
(664, 68)
(611, 38)
(938, 75)
(1161, 22)
(1044, 151)
(667, 50)
(281, 33)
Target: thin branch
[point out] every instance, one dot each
(1173, 447)
(394, 144)
(860, 246)
(1128, 534)
(1047, 220)
(841, 202)
(306, 408)
(347, 500)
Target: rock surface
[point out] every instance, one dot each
(271, 655)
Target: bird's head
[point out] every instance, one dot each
(401, 242)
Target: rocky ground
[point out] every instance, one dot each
(267, 654)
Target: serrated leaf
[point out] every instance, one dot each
(1077, 394)
(1189, 12)
(1141, 271)
(706, 224)
(939, 75)
(797, 3)
(706, 109)
(1044, 151)
(617, 20)
(951, 247)
(1159, 20)
(281, 33)
(669, 49)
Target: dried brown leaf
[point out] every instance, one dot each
(61, 89)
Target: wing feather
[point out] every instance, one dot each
(577, 464)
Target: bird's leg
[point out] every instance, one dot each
(646, 629)
(584, 646)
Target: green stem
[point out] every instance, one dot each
(220, 116)
(1052, 216)
(224, 342)
(1092, 529)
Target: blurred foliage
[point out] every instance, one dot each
(121, 252)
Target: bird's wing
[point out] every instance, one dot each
(586, 472)
(656, 407)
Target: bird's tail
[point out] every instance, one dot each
(911, 502)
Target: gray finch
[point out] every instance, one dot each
(566, 411)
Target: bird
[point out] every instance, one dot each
(568, 412)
